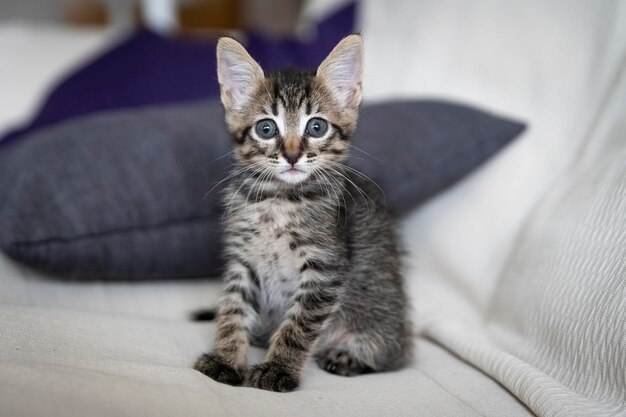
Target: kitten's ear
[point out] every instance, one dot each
(237, 73)
(342, 71)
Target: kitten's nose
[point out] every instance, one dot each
(292, 149)
(292, 158)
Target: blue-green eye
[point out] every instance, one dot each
(316, 127)
(266, 129)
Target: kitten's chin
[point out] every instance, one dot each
(292, 175)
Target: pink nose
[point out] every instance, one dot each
(292, 158)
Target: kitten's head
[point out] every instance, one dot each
(291, 124)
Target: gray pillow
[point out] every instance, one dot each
(125, 194)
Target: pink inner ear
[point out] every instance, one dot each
(238, 78)
(351, 94)
(228, 94)
(342, 72)
(345, 89)
(233, 87)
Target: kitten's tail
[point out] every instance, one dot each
(207, 314)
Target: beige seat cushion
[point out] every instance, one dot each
(76, 349)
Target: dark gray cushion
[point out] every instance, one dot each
(125, 194)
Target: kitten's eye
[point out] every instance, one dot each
(316, 127)
(266, 129)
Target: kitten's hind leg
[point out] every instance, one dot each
(355, 352)
(342, 362)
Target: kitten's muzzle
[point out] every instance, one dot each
(292, 172)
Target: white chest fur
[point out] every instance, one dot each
(276, 264)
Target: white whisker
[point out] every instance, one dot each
(352, 145)
(362, 175)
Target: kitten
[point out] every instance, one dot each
(313, 264)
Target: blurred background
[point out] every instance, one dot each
(200, 16)
(47, 42)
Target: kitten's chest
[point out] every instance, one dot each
(274, 237)
(271, 249)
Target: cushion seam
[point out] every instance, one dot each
(115, 231)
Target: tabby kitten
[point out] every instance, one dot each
(313, 263)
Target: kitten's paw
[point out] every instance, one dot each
(340, 362)
(272, 376)
(216, 368)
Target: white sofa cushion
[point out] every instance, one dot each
(127, 349)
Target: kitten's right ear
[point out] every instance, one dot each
(342, 71)
(237, 73)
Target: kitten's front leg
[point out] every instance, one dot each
(227, 362)
(290, 346)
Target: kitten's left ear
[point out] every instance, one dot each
(342, 71)
(237, 73)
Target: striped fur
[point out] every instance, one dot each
(313, 262)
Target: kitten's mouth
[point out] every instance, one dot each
(293, 175)
(293, 170)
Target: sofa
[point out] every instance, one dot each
(517, 274)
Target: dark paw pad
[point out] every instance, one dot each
(272, 376)
(340, 362)
(216, 368)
